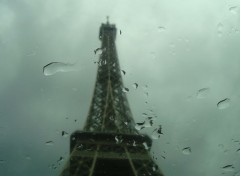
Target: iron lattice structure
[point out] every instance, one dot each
(109, 145)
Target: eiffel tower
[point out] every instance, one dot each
(109, 145)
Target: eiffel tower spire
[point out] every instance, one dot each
(109, 145)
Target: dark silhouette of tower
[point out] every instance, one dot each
(109, 145)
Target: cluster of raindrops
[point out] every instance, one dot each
(55, 67)
(204, 93)
(148, 122)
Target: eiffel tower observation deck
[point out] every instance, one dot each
(109, 144)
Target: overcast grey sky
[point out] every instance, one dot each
(174, 47)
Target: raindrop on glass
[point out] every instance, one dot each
(60, 159)
(99, 50)
(233, 9)
(49, 143)
(203, 93)
(228, 168)
(125, 89)
(186, 151)
(28, 158)
(145, 146)
(64, 134)
(55, 67)
(220, 29)
(237, 173)
(2, 161)
(161, 29)
(118, 139)
(124, 72)
(140, 126)
(223, 104)
(135, 85)
(238, 151)
(157, 132)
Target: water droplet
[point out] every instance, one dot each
(228, 168)
(161, 29)
(238, 151)
(135, 85)
(157, 132)
(28, 158)
(146, 146)
(2, 161)
(99, 51)
(55, 67)
(237, 173)
(187, 150)
(149, 122)
(233, 9)
(220, 29)
(134, 143)
(221, 146)
(203, 93)
(118, 139)
(49, 143)
(120, 32)
(60, 159)
(223, 104)
(64, 134)
(124, 72)
(125, 89)
(140, 126)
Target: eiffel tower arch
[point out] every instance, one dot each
(109, 144)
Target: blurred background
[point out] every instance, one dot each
(183, 55)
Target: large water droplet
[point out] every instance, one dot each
(55, 67)
(228, 168)
(124, 72)
(223, 104)
(157, 132)
(203, 93)
(187, 150)
(49, 143)
(135, 85)
(233, 9)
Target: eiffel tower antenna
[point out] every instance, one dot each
(109, 144)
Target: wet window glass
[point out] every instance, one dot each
(119, 87)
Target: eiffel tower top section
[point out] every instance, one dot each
(109, 110)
